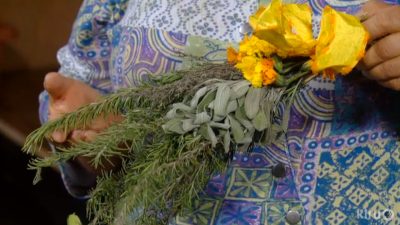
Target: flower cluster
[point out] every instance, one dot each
(285, 31)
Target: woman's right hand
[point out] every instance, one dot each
(68, 95)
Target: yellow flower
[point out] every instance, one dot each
(259, 71)
(287, 27)
(247, 65)
(266, 68)
(253, 46)
(341, 43)
(232, 55)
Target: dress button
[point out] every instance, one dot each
(279, 170)
(293, 217)
(245, 29)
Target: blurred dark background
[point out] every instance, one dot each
(31, 32)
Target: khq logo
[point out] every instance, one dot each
(386, 214)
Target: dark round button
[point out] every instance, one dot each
(293, 217)
(279, 170)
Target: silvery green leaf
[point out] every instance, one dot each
(252, 101)
(187, 125)
(173, 126)
(227, 141)
(245, 140)
(241, 101)
(182, 107)
(220, 125)
(211, 105)
(248, 137)
(217, 118)
(208, 98)
(260, 121)
(212, 136)
(221, 100)
(232, 106)
(242, 118)
(200, 93)
(201, 118)
(203, 131)
(239, 89)
(237, 129)
(171, 114)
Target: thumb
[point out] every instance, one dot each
(56, 85)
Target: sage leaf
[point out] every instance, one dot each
(239, 89)
(221, 100)
(200, 93)
(201, 118)
(211, 105)
(207, 99)
(227, 141)
(237, 129)
(173, 126)
(232, 106)
(260, 121)
(248, 137)
(181, 106)
(241, 117)
(212, 136)
(187, 125)
(223, 126)
(217, 118)
(252, 101)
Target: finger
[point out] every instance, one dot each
(83, 136)
(59, 136)
(392, 84)
(90, 135)
(102, 123)
(56, 85)
(384, 22)
(370, 8)
(385, 71)
(385, 49)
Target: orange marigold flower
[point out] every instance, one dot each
(266, 68)
(232, 55)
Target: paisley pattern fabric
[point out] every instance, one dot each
(342, 150)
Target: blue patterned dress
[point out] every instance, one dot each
(342, 154)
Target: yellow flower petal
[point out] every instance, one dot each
(232, 55)
(247, 65)
(341, 43)
(266, 67)
(253, 46)
(286, 26)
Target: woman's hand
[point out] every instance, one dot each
(68, 95)
(382, 59)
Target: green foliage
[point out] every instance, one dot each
(178, 130)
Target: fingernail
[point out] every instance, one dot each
(59, 136)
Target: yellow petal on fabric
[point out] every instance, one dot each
(288, 27)
(247, 65)
(341, 43)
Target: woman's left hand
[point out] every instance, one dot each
(382, 59)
